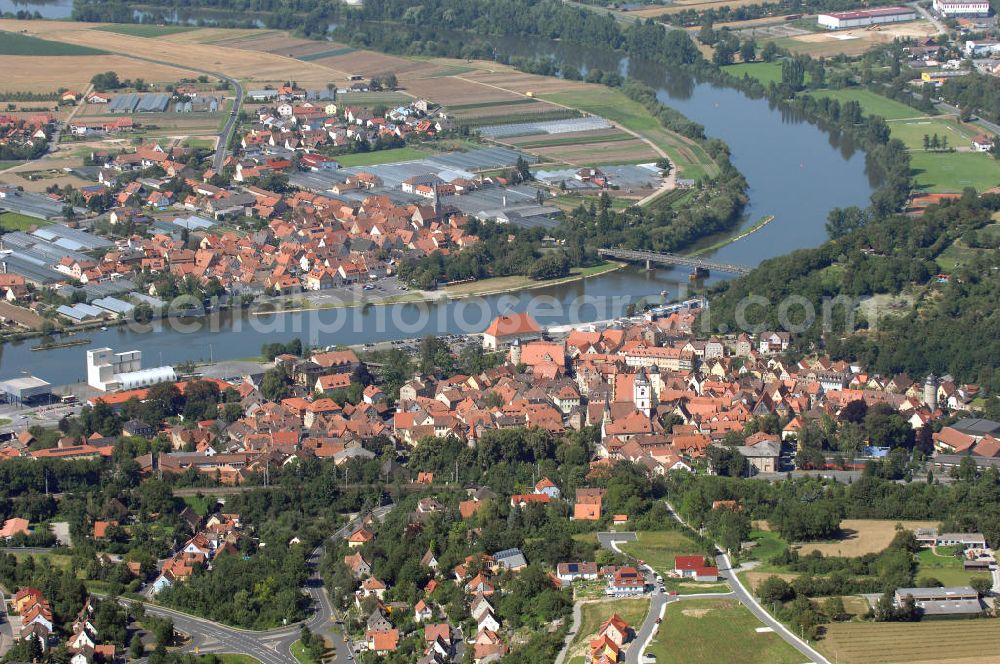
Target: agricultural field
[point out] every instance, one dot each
(150, 31)
(595, 154)
(23, 72)
(249, 65)
(954, 171)
(713, 631)
(572, 138)
(592, 614)
(940, 642)
(374, 98)
(370, 63)
(689, 158)
(871, 103)
(861, 536)
(458, 93)
(15, 43)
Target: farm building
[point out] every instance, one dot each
(962, 8)
(865, 17)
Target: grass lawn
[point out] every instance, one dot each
(4, 165)
(912, 132)
(299, 653)
(954, 171)
(12, 43)
(139, 30)
(380, 157)
(632, 611)
(518, 282)
(949, 576)
(236, 659)
(12, 221)
(691, 160)
(58, 560)
(959, 253)
(926, 641)
(871, 103)
(768, 545)
(765, 72)
(200, 504)
(659, 548)
(711, 631)
(200, 143)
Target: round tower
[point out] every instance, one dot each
(930, 392)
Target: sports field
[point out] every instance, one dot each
(711, 631)
(912, 132)
(952, 172)
(380, 157)
(941, 642)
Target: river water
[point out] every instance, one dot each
(796, 172)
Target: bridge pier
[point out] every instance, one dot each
(649, 264)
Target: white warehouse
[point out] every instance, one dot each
(865, 17)
(962, 8)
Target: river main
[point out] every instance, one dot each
(796, 171)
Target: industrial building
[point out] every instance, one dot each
(865, 17)
(962, 8)
(110, 371)
(25, 389)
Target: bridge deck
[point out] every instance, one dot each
(674, 259)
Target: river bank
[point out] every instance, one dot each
(479, 288)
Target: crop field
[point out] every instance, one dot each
(713, 631)
(952, 172)
(871, 103)
(239, 63)
(607, 152)
(941, 642)
(522, 83)
(219, 36)
(453, 91)
(572, 138)
(15, 43)
(592, 614)
(370, 63)
(373, 98)
(863, 536)
(690, 159)
(22, 72)
(151, 31)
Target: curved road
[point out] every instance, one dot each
(268, 646)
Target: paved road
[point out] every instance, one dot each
(938, 25)
(269, 646)
(747, 599)
(227, 129)
(6, 630)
